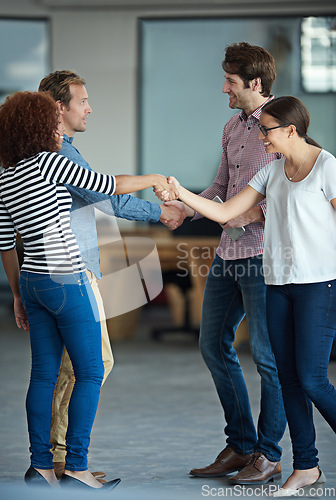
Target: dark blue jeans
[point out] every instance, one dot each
(62, 311)
(301, 323)
(233, 289)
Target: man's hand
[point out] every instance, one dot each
(164, 190)
(173, 214)
(255, 214)
(189, 212)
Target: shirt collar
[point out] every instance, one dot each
(68, 139)
(256, 114)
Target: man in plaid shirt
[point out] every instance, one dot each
(235, 285)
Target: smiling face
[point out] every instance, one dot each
(274, 140)
(74, 116)
(240, 97)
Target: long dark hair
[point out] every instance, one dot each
(289, 109)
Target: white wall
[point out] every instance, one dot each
(101, 45)
(102, 48)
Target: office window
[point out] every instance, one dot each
(318, 52)
(182, 109)
(25, 54)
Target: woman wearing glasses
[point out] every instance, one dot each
(299, 263)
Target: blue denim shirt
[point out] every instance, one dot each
(83, 222)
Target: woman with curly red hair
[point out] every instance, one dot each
(52, 295)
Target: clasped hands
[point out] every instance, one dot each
(167, 189)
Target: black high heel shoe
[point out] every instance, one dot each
(33, 478)
(71, 482)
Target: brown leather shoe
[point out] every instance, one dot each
(99, 475)
(60, 466)
(227, 461)
(59, 469)
(101, 480)
(260, 470)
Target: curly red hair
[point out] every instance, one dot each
(28, 125)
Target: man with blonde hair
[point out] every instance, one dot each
(69, 92)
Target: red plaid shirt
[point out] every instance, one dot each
(243, 156)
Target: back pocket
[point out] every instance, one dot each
(53, 299)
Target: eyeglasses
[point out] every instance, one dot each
(264, 130)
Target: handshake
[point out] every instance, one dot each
(166, 189)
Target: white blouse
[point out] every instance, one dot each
(300, 225)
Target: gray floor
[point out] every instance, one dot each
(158, 417)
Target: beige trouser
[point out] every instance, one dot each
(66, 380)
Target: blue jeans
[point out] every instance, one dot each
(233, 289)
(62, 311)
(301, 323)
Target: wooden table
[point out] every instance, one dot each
(183, 255)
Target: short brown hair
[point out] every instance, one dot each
(58, 85)
(28, 125)
(249, 62)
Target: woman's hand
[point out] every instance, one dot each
(173, 181)
(164, 189)
(20, 314)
